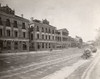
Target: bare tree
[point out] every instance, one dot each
(98, 36)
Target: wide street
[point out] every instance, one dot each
(49, 65)
(93, 71)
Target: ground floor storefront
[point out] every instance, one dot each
(8, 46)
(62, 45)
(35, 46)
(39, 46)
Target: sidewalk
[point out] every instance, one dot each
(33, 52)
(93, 71)
(30, 52)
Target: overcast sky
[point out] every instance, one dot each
(80, 17)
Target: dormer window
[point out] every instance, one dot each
(23, 25)
(7, 22)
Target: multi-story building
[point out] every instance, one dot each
(58, 39)
(13, 31)
(62, 38)
(42, 37)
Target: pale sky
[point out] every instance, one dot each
(80, 17)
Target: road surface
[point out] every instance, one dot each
(47, 65)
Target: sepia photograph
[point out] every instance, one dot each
(49, 39)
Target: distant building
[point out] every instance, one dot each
(72, 41)
(79, 40)
(62, 38)
(58, 39)
(13, 31)
(42, 37)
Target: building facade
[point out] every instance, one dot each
(42, 37)
(13, 31)
(62, 38)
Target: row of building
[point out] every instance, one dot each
(18, 34)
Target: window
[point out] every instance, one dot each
(24, 34)
(42, 29)
(49, 31)
(37, 28)
(42, 36)
(49, 45)
(15, 45)
(15, 24)
(16, 33)
(0, 21)
(46, 37)
(42, 45)
(24, 46)
(46, 30)
(37, 36)
(8, 32)
(38, 46)
(8, 45)
(49, 37)
(52, 31)
(7, 22)
(1, 44)
(0, 32)
(23, 25)
(46, 45)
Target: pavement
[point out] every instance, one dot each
(22, 53)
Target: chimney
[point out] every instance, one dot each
(22, 15)
(6, 5)
(32, 18)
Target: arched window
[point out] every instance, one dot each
(23, 25)
(49, 31)
(37, 28)
(52, 31)
(42, 29)
(15, 45)
(15, 24)
(8, 45)
(38, 36)
(24, 46)
(7, 22)
(46, 30)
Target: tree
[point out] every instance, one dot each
(80, 41)
(98, 36)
